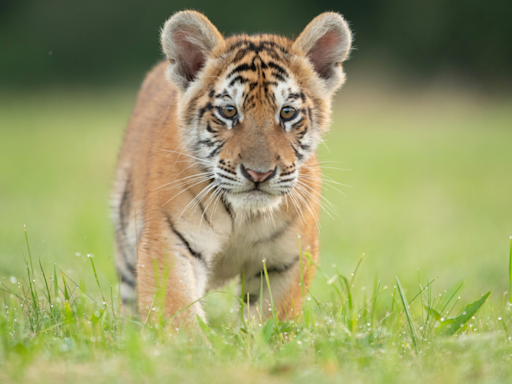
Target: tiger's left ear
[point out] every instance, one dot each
(187, 39)
(326, 42)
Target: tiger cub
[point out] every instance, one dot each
(218, 171)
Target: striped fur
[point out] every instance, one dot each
(183, 208)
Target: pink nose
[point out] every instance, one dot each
(257, 176)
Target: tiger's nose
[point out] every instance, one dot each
(257, 177)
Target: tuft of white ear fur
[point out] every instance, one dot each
(326, 41)
(187, 39)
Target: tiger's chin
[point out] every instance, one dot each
(255, 200)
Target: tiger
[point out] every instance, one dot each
(218, 178)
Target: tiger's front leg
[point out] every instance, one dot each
(285, 292)
(286, 289)
(170, 279)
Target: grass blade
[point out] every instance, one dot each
(45, 282)
(451, 325)
(274, 313)
(28, 247)
(510, 273)
(55, 282)
(97, 280)
(408, 315)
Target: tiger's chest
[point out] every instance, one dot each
(241, 246)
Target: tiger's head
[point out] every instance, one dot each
(253, 109)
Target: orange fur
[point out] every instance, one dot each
(184, 212)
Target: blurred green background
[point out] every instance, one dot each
(424, 124)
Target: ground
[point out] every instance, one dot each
(426, 194)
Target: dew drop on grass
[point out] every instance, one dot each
(499, 318)
(13, 280)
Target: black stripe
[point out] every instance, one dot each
(197, 255)
(130, 280)
(226, 169)
(204, 213)
(207, 107)
(216, 150)
(287, 173)
(228, 210)
(278, 76)
(299, 155)
(279, 268)
(301, 134)
(227, 177)
(209, 143)
(125, 205)
(238, 78)
(296, 124)
(209, 128)
(243, 68)
(265, 45)
(305, 147)
(276, 234)
(217, 121)
(278, 68)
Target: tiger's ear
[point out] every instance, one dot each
(326, 42)
(187, 39)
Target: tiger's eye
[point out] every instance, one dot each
(228, 111)
(288, 113)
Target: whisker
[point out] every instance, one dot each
(203, 174)
(195, 201)
(172, 198)
(185, 154)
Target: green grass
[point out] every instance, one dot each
(429, 207)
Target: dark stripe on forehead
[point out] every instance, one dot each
(240, 79)
(293, 96)
(278, 68)
(221, 95)
(263, 45)
(243, 68)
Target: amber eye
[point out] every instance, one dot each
(228, 111)
(288, 113)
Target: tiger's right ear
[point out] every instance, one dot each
(187, 39)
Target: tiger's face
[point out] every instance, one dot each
(253, 108)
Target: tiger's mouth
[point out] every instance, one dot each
(254, 199)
